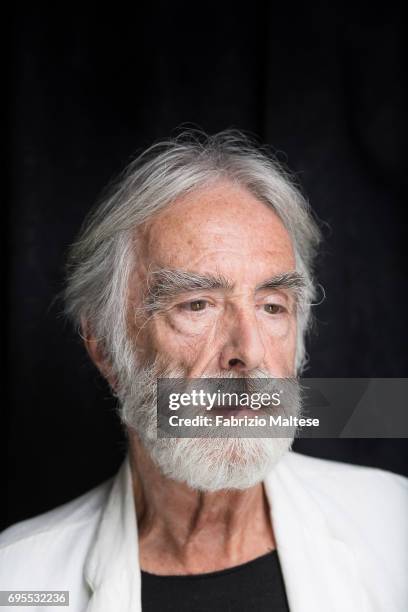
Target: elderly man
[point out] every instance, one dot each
(199, 264)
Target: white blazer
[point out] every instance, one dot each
(341, 533)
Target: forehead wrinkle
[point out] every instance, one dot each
(214, 209)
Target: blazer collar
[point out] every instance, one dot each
(319, 570)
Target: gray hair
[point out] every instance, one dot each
(101, 261)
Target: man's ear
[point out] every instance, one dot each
(97, 353)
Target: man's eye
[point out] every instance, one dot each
(274, 309)
(194, 306)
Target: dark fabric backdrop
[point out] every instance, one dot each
(322, 86)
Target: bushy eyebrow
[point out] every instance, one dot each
(287, 280)
(166, 283)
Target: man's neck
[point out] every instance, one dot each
(184, 531)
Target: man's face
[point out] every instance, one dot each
(213, 296)
(219, 232)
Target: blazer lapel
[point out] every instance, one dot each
(319, 570)
(112, 568)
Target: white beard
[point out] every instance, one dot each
(204, 464)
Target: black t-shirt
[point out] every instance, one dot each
(256, 586)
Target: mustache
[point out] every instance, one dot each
(162, 369)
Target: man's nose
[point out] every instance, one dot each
(243, 349)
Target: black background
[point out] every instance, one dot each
(323, 86)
